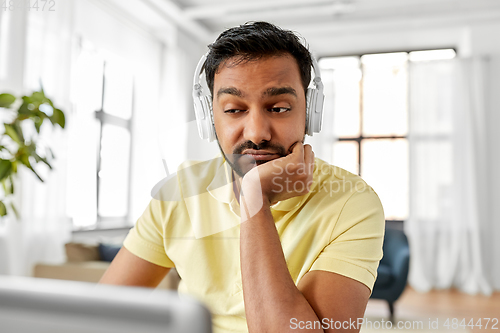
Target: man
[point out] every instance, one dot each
(303, 250)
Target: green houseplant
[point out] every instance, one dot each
(19, 141)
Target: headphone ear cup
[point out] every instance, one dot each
(309, 97)
(200, 115)
(314, 111)
(318, 111)
(210, 119)
(203, 113)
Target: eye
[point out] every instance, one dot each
(233, 111)
(279, 109)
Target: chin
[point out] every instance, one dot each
(262, 162)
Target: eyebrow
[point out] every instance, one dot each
(230, 91)
(280, 91)
(274, 91)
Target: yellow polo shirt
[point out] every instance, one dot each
(193, 221)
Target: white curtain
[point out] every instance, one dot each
(44, 227)
(448, 228)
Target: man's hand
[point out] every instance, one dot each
(269, 292)
(282, 178)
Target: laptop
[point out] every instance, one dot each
(29, 305)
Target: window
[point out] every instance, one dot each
(114, 144)
(369, 97)
(99, 187)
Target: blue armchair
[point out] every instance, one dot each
(393, 269)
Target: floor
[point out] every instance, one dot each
(442, 305)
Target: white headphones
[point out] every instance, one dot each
(204, 112)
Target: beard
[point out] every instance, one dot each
(242, 163)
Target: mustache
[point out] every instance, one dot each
(275, 148)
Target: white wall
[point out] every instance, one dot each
(178, 131)
(13, 26)
(386, 41)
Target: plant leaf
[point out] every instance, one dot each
(24, 110)
(38, 123)
(11, 179)
(25, 160)
(38, 158)
(36, 174)
(10, 131)
(6, 100)
(17, 126)
(58, 118)
(5, 190)
(5, 168)
(8, 186)
(38, 96)
(3, 209)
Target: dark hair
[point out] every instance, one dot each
(255, 40)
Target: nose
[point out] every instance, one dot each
(257, 127)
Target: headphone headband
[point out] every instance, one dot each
(199, 69)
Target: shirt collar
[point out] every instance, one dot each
(221, 186)
(288, 204)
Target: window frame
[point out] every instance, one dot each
(103, 118)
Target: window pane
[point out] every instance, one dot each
(385, 94)
(432, 55)
(385, 168)
(345, 155)
(86, 92)
(433, 86)
(114, 173)
(118, 91)
(344, 75)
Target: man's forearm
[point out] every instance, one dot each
(270, 295)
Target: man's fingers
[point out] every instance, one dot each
(290, 150)
(303, 154)
(293, 148)
(309, 158)
(307, 153)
